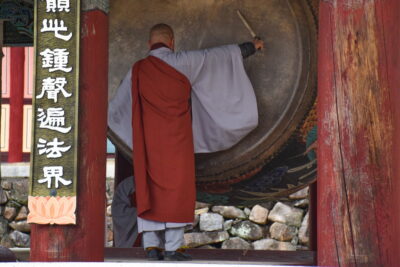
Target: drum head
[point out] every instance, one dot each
(283, 76)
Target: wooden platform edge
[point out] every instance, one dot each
(304, 258)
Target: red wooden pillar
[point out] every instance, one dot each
(358, 174)
(16, 103)
(85, 240)
(391, 19)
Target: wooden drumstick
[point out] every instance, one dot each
(247, 25)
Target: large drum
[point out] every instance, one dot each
(272, 160)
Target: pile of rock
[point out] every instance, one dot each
(281, 225)
(14, 230)
(109, 227)
(271, 225)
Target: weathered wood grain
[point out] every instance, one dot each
(356, 126)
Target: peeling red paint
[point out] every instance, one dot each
(355, 167)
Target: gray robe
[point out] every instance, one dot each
(124, 215)
(224, 107)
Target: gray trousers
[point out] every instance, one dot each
(171, 238)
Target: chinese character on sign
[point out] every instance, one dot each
(57, 5)
(52, 149)
(53, 119)
(56, 26)
(53, 172)
(56, 59)
(53, 87)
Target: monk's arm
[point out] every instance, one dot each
(249, 48)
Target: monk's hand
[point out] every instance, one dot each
(258, 44)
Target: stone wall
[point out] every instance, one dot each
(274, 225)
(14, 230)
(277, 225)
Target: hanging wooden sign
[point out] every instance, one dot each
(52, 197)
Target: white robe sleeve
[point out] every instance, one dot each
(120, 111)
(224, 105)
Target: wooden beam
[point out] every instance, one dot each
(17, 70)
(357, 178)
(85, 240)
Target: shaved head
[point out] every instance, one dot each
(161, 33)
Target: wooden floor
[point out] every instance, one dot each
(303, 258)
(206, 257)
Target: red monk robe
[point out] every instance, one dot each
(163, 142)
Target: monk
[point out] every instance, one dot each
(182, 103)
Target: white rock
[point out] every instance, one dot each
(22, 214)
(236, 243)
(302, 203)
(287, 246)
(228, 225)
(247, 211)
(193, 240)
(271, 244)
(259, 214)
(109, 212)
(201, 211)
(109, 198)
(295, 240)
(286, 214)
(304, 231)
(247, 230)
(266, 244)
(21, 226)
(229, 212)
(6, 184)
(20, 239)
(303, 193)
(211, 222)
(200, 205)
(110, 235)
(6, 241)
(282, 232)
(10, 213)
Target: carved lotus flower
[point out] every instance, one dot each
(51, 210)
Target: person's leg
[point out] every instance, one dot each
(173, 238)
(173, 241)
(153, 244)
(153, 239)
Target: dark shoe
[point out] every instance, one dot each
(154, 254)
(176, 256)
